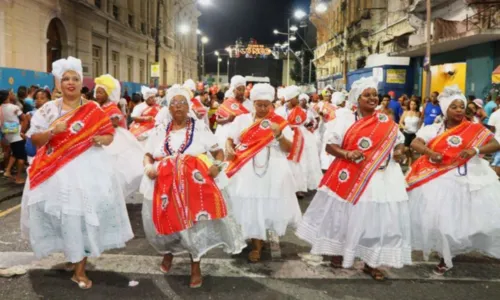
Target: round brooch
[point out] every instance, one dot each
(235, 106)
(298, 119)
(454, 141)
(343, 175)
(383, 118)
(164, 201)
(197, 177)
(364, 143)
(203, 216)
(76, 127)
(265, 124)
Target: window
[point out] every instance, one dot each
(130, 20)
(98, 3)
(143, 28)
(130, 68)
(116, 12)
(115, 64)
(96, 61)
(142, 71)
(153, 33)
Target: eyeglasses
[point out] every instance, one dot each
(178, 102)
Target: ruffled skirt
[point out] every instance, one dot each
(452, 218)
(79, 211)
(127, 155)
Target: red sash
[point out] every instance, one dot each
(296, 117)
(198, 107)
(375, 136)
(328, 111)
(84, 123)
(231, 107)
(184, 195)
(252, 140)
(449, 144)
(112, 110)
(138, 128)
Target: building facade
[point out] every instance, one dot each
(109, 36)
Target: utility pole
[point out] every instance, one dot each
(202, 60)
(427, 60)
(157, 39)
(288, 57)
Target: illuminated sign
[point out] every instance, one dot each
(253, 51)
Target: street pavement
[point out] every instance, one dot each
(230, 277)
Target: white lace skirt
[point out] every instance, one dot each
(79, 211)
(264, 203)
(451, 218)
(221, 133)
(197, 240)
(127, 156)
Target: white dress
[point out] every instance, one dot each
(127, 155)
(262, 193)
(307, 172)
(204, 236)
(455, 214)
(80, 210)
(222, 131)
(376, 229)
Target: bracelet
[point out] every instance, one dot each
(279, 137)
(477, 150)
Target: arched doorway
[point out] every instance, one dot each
(55, 42)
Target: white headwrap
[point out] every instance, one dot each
(281, 93)
(291, 92)
(359, 86)
(61, 66)
(110, 85)
(262, 91)
(229, 93)
(303, 97)
(178, 90)
(338, 98)
(238, 81)
(147, 92)
(190, 85)
(450, 94)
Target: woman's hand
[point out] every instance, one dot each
(354, 155)
(435, 157)
(150, 171)
(98, 140)
(276, 130)
(467, 153)
(59, 127)
(213, 171)
(230, 153)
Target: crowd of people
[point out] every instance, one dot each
(220, 169)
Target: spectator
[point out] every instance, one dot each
(480, 113)
(22, 93)
(409, 124)
(494, 124)
(395, 106)
(432, 109)
(136, 100)
(384, 106)
(471, 98)
(489, 108)
(41, 97)
(29, 102)
(13, 126)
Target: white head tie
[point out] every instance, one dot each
(338, 98)
(61, 66)
(304, 97)
(178, 90)
(359, 86)
(238, 81)
(190, 85)
(148, 92)
(291, 92)
(262, 91)
(450, 94)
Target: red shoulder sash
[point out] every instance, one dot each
(112, 110)
(297, 117)
(138, 128)
(231, 107)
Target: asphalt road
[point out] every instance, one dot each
(225, 277)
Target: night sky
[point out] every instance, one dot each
(226, 20)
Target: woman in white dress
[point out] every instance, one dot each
(454, 194)
(305, 165)
(125, 150)
(261, 190)
(72, 202)
(183, 209)
(144, 115)
(361, 208)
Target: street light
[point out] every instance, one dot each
(321, 7)
(275, 31)
(216, 53)
(184, 28)
(293, 38)
(294, 28)
(219, 60)
(198, 32)
(204, 40)
(299, 14)
(205, 2)
(277, 45)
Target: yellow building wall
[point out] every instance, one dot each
(441, 77)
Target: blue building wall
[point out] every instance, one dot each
(12, 79)
(384, 87)
(480, 60)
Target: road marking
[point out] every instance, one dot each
(4, 213)
(218, 267)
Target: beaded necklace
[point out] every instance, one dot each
(264, 166)
(188, 140)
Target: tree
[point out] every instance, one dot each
(300, 71)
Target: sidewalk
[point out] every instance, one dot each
(8, 189)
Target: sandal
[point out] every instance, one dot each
(375, 273)
(166, 268)
(440, 269)
(82, 284)
(336, 262)
(254, 256)
(196, 284)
